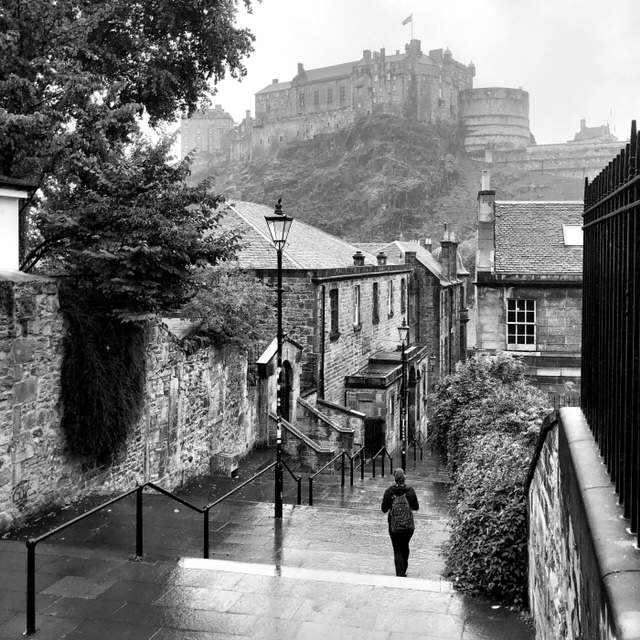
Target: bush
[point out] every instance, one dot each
(486, 422)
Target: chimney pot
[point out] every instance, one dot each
(382, 259)
(486, 180)
(358, 259)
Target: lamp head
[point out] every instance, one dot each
(403, 331)
(279, 225)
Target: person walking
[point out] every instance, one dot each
(399, 501)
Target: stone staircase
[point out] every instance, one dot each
(320, 572)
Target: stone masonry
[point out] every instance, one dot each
(198, 404)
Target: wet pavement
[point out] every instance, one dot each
(323, 571)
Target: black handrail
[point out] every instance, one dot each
(298, 479)
(32, 542)
(416, 443)
(383, 452)
(342, 455)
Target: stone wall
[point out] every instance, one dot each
(584, 568)
(197, 404)
(584, 160)
(556, 358)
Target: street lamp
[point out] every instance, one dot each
(279, 225)
(403, 331)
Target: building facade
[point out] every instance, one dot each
(343, 306)
(529, 286)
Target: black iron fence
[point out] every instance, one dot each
(611, 321)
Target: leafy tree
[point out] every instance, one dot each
(232, 307)
(76, 76)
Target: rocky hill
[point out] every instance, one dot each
(384, 178)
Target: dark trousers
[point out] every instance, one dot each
(400, 542)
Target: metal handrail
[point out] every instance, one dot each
(139, 491)
(416, 442)
(297, 478)
(383, 452)
(342, 455)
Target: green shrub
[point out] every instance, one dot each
(487, 550)
(486, 422)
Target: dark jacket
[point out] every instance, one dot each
(398, 490)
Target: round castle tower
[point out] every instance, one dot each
(494, 117)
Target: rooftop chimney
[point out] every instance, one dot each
(382, 259)
(449, 255)
(426, 243)
(358, 259)
(486, 216)
(300, 68)
(275, 80)
(366, 54)
(486, 180)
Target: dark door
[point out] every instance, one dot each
(374, 428)
(285, 406)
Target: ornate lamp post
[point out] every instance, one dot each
(403, 331)
(279, 225)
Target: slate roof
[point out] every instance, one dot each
(529, 237)
(396, 250)
(306, 248)
(275, 86)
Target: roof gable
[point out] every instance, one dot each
(529, 237)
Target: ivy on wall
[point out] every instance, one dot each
(102, 383)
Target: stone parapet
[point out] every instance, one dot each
(584, 568)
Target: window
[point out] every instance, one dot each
(390, 299)
(375, 316)
(403, 296)
(572, 234)
(343, 94)
(521, 325)
(329, 96)
(316, 98)
(333, 306)
(356, 305)
(301, 99)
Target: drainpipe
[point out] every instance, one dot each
(323, 323)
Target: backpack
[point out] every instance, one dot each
(401, 516)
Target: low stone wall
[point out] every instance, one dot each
(198, 404)
(584, 568)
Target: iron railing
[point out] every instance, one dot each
(382, 454)
(611, 321)
(342, 455)
(139, 491)
(559, 400)
(416, 444)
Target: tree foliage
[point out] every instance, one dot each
(486, 422)
(232, 307)
(76, 76)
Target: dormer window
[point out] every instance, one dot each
(573, 235)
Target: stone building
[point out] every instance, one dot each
(343, 306)
(207, 130)
(529, 285)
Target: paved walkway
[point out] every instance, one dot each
(322, 572)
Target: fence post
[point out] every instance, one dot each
(342, 472)
(373, 464)
(206, 534)
(384, 453)
(299, 480)
(361, 464)
(31, 586)
(351, 470)
(310, 491)
(139, 524)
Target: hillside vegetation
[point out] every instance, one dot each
(383, 178)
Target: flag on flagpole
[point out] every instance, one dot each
(407, 20)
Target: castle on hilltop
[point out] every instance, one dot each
(412, 84)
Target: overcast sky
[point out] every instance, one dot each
(576, 58)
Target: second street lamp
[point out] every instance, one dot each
(279, 225)
(403, 331)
